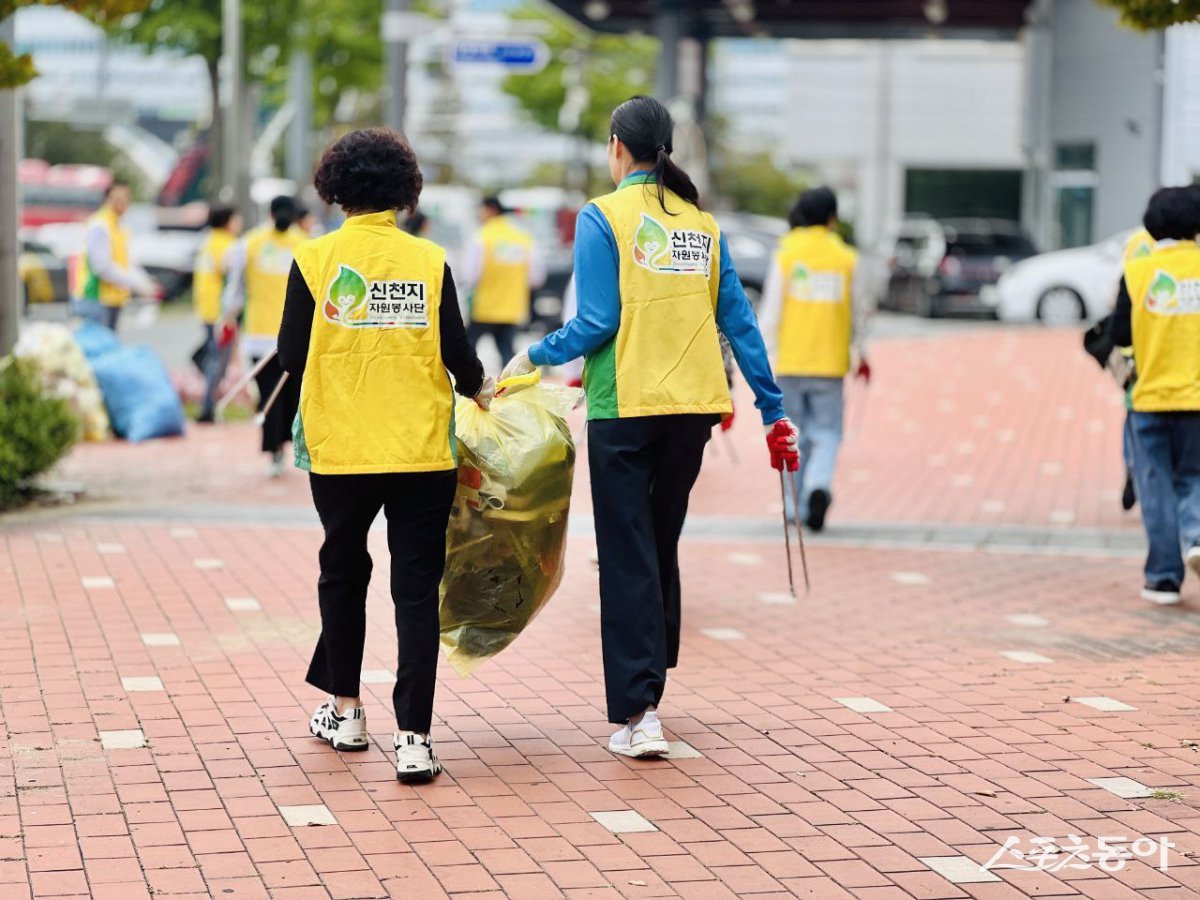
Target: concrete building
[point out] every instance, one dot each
(1112, 114)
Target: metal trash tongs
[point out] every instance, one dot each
(245, 380)
(790, 478)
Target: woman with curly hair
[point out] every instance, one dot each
(371, 326)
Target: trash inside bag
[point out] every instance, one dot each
(508, 530)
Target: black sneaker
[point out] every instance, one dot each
(818, 505)
(1128, 495)
(1164, 593)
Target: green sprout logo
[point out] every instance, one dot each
(1163, 292)
(650, 246)
(347, 301)
(799, 279)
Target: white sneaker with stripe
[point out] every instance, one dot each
(416, 762)
(346, 732)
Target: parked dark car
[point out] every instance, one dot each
(940, 268)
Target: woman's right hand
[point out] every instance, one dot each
(487, 393)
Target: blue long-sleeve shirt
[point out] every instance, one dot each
(598, 288)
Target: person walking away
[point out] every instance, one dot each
(814, 304)
(255, 288)
(655, 287)
(107, 276)
(208, 284)
(1158, 313)
(370, 328)
(502, 270)
(1139, 244)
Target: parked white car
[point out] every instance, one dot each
(1064, 287)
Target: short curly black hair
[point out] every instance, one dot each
(369, 171)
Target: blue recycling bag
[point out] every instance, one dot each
(95, 340)
(141, 400)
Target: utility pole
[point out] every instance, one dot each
(9, 149)
(396, 24)
(235, 179)
(298, 155)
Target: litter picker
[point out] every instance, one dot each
(787, 475)
(245, 380)
(262, 414)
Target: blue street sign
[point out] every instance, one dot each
(527, 55)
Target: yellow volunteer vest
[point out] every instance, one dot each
(375, 396)
(502, 295)
(1164, 289)
(666, 356)
(817, 320)
(268, 261)
(209, 279)
(94, 288)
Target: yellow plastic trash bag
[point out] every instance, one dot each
(508, 530)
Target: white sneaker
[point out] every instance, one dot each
(640, 740)
(346, 733)
(276, 467)
(416, 762)
(1164, 593)
(1193, 559)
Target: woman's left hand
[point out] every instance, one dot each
(487, 393)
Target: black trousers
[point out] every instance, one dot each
(643, 470)
(417, 507)
(277, 426)
(503, 335)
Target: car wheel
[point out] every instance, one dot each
(1061, 306)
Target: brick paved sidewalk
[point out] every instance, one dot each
(880, 738)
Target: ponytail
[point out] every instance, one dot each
(645, 127)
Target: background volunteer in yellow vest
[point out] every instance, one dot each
(654, 286)
(107, 277)
(815, 310)
(1138, 245)
(258, 267)
(501, 270)
(370, 328)
(1158, 312)
(208, 284)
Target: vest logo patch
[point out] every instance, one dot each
(352, 302)
(678, 252)
(509, 253)
(273, 259)
(1169, 296)
(811, 286)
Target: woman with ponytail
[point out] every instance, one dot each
(655, 288)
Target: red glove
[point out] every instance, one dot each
(727, 421)
(783, 444)
(226, 335)
(575, 383)
(863, 371)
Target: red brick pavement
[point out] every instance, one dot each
(792, 794)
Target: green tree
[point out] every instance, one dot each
(756, 184)
(1149, 15)
(615, 67)
(18, 69)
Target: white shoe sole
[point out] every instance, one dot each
(420, 776)
(1193, 560)
(1162, 598)
(353, 745)
(642, 750)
